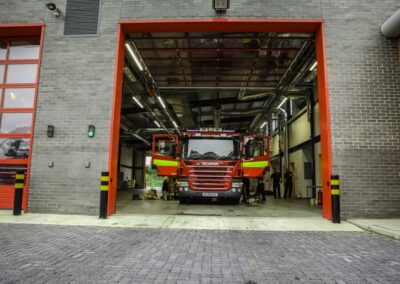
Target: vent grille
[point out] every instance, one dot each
(82, 17)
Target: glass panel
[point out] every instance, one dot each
(7, 173)
(1, 73)
(24, 50)
(3, 50)
(21, 73)
(14, 148)
(16, 123)
(19, 98)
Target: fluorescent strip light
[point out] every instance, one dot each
(139, 65)
(174, 123)
(313, 66)
(263, 124)
(282, 102)
(158, 125)
(161, 101)
(137, 101)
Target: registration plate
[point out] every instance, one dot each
(209, 194)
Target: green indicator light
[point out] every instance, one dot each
(91, 131)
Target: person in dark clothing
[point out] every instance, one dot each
(261, 189)
(165, 189)
(276, 178)
(288, 184)
(246, 189)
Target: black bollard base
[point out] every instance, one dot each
(336, 208)
(17, 201)
(103, 204)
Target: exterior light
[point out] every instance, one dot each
(158, 125)
(50, 130)
(137, 102)
(220, 6)
(91, 131)
(134, 57)
(161, 102)
(282, 102)
(313, 66)
(263, 124)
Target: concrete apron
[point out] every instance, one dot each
(316, 224)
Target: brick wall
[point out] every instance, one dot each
(77, 81)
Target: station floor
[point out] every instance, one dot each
(272, 208)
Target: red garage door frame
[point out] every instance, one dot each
(315, 26)
(10, 32)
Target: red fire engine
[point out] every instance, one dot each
(210, 163)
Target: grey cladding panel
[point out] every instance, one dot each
(81, 17)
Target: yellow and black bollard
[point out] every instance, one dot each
(103, 195)
(18, 193)
(335, 192)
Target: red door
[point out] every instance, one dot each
(256, 156)
(165, 152)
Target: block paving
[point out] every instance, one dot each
(77, 254)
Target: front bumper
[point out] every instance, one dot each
(186, 192)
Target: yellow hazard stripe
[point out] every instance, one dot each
(335, 182)
(167, 163)
(19, 185)
(104, 178)
(259, 164)
(19, 176)
(104, 187)
(335, 191)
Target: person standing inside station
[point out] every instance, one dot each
(288, 184)
(276, 179)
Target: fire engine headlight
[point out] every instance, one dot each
(237, 184)
(183, 183)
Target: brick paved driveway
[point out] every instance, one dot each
(59, 254)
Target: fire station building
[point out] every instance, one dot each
(99, 86)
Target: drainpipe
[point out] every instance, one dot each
(391, 28)
(310, 98)
(286, 148)
(217, 116)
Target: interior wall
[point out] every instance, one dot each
(126, 162)
(139, 169)
(299, 157)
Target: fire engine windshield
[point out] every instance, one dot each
(212, 149)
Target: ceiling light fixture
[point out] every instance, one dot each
(128, 73)
(313, 66)
(137, 101)
(134, 57)
(158, 125)
(282, 102)
(263, 124)
(174, 123)
(161, 102)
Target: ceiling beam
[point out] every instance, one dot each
(222, 101)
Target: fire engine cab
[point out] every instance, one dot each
(210, 163)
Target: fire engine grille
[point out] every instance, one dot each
(210, 178)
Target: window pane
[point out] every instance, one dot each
(7, 173)
(16, 123)
(14, 148)
(21, 73)
(19, 98)
(1, 73)
(3, 50)
(24, 50)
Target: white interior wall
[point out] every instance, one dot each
(274, 146)
(299, 158)
(299, 131)
(126, 160)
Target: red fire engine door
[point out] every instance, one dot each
(256, 156)
(165, 153)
